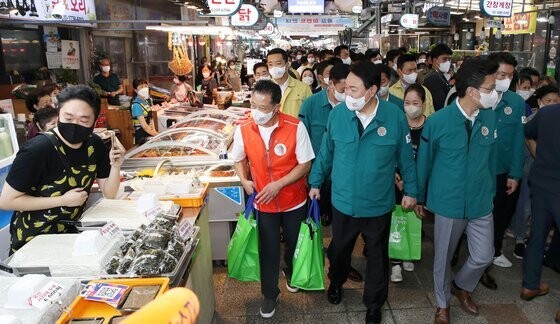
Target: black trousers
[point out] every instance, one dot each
(325, 202)
(345, 231)
(269, 245)
(504, 207)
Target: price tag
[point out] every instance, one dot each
(185, 230)
(110, 230)
(153, 212)
(107, 293)
(47, 295)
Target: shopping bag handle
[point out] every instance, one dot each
(314, 212)
(250, 206)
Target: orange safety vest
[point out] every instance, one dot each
(271, 165)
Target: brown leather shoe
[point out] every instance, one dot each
(464, 297)
(488, 281)
(354, 275)
(442, 316)
(528, 294)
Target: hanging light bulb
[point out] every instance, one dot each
(4, 8)
(201, 41)
(12, 10)
(482, 34)
(33, 10)
(551, 20)
(468, 35)
(456, 37)
(498, 34)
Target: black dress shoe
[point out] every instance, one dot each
(373, 316)
(354, 275)
(334, 294)
(487, 281)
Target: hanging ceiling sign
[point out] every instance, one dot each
(268, 30)
(67, 12)
(246, 16)
(320, 25)
(439, 16)
(494, 24)
(496, 8)
(409, 21)
(222, 8)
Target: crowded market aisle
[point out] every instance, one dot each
(411, 301)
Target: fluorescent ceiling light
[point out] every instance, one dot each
(194, 30)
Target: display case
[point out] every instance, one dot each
(179, 144)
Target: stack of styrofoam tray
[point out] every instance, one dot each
(33, 315)
(55, 251)
(122, 212)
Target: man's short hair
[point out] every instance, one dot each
(503, 58)
(367, 72)
(279, 51)
(405, 58)
(339, 48)
(472, 74)
(339, 72)
(439, 50)
(267, 87)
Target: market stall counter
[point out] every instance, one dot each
(176, 247)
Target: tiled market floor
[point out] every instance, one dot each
(411, 301)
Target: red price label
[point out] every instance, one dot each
(110, 230)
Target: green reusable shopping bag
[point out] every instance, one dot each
(308, 262)
(405, 237)
(243, 248)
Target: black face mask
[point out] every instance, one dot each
(74, 133)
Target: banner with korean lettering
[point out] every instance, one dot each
(496, 8)
(439, 16)
(76, 10)
(513, 27)
(70, 54)
(222, 8)
(320, 25)
(246, 16)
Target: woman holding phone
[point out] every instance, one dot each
(53, 173)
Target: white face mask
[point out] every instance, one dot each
(311, 59)
(444, 67)
(413, 111)
(503, 85)
(488, 100)
(261, 118)
(298, 57)
(383, 91)
(176, 81)
(326, 80)
(307, 80)
(356, 104)
(264, 77)
(277, 72)
(422, 60)
(525, 94)
(377, 62)
(144, 93)
(347, 61)
(339, 96)
(410, 78)
(105, 68)
(205, 74)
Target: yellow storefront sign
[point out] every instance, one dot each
(528, 25)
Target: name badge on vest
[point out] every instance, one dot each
(508, 110)
(484, 130)
(381, 131)
(280, 149)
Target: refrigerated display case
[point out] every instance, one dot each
(8, 150)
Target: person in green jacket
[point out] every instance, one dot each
(510, 120)
(383, 92)
(456, 165)
(364, 140)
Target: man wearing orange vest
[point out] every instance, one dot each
(277, 151)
